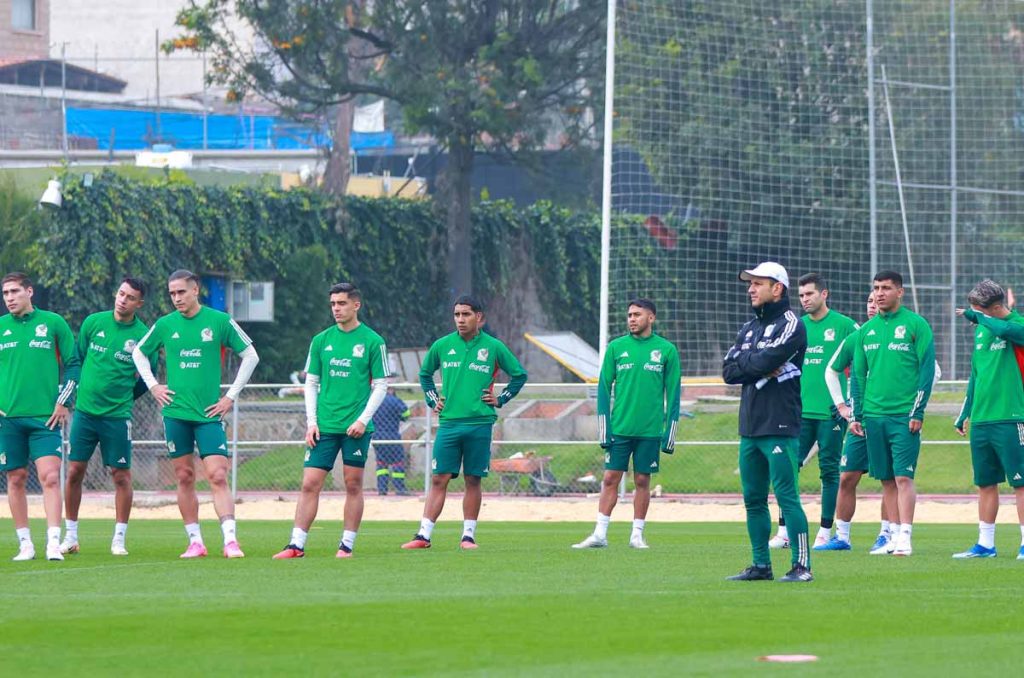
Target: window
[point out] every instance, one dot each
(23, 15)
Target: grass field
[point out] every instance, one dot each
(524, 604)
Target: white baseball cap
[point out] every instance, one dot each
(767, 269)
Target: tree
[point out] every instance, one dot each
(496, 75)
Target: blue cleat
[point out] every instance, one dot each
(882, 546)
(976, 551)
(1020, 556)
(833, 544)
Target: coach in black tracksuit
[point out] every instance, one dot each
(765, 359)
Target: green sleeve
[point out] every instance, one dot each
(380, 368)
(82, 344)
(924, 343)
(857, 377)
(1012, 332)
(672, 377)
(604, 397)
(69, 358)
(430, 364)
(965, 410)
(313, 364)
(235, 337)
(517, 375)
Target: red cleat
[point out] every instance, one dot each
(343, 552)
(290, 551)
(418, 542)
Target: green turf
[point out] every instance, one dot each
(524, 604)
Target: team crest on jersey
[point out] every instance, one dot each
(768, 330)
(482, 354)
(358, 351)
(41, 330)
(206, 334)
(129, 346)
(900, 332)
(655, 356)
(830, 334)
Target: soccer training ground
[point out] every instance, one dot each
(523, 604)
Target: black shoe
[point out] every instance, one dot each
(753, 573)
(799, 573)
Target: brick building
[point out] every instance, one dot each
(24, 29)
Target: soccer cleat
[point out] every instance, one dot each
(592, 542)
(778, 542)
(833, 544)
(976, 551)
(902, 546)
(290, 551)
(195, 550)
(1020, 556)
(233, 550)
(417, 542)
(117, 548)
(820, 540)
(753, 573)
(636, 541)
(53, 551)
(69, 545)
(468, 543)
(343, 552)
(883, 545)
(798, 574)
(26, 551)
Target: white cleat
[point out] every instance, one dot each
(902, 546)
(117, 549)
(883, 545)
(26, 551)
(821, 539)
(53, 551)
(637, 542)
(591, 542)
(778, 542)
(69, 546)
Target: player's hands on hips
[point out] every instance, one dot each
(915, 425)
(856, 428)
(162, 394)
(356, 430)
(962, 428)
(220, 408)
(312, 435)
(488, 397)
(58, 418)
(440, 405)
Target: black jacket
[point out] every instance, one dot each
(774, 338)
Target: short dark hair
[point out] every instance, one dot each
(816, 279)
(17, 277)
(183, 274)
(136, 284)
(347, 288)
(892, 276)
(467, 300)
(986, 294)
(641, 302)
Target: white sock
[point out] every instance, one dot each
(53, 534)
(469, 528)
(987, 535)
(894, 530)
(71, 527)
(783, 532)
(638, 527)
(885, 529)
(195, 535)
(228, 527)
(906, 529)
(843, 530)
(825, 532)
(601, 528)
(24, 534)
(348, 538)
(426, 528)
(120, 530)
(1022, 535)
(299, 537)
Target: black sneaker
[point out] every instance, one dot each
(799, 573)
(753, 573)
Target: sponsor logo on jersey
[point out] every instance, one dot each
(997, 345)
(768, 330)
(3, 458)
(910, 468)
(358, 351)
(170, 446)
(872, 347)
(328, 347)
(340, 362)
(307, 455)
(7, 333)
(93, 346)
(451, 364)
(189, 365)
(842, 460)
(8, 344)
(221, 447)
(837, 427)
(190, 353)
(815, 349)
(899, 346)
(777, 450)
(101, 333)
(979, 335)
(607, 458)
(621, 367)
(900, 332)
(357, 453)
(654, 464)
(122, 460)
(206, 334)
(655, 356)
(41, 330)
(830, 334)
(482, 354)
(1016, 476)
(40, 343)
(871, 333)
(979, 346)
(175, 336)
(433, 464)
(624, 354)
(451, 352)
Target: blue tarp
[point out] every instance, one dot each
(128, 130)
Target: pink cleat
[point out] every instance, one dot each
(343, 552)
(194, 550)
(233, 550)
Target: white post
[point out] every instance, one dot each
(64, 100)
(234, 450)
(427, 451)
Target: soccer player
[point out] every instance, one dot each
(826, 331)
(469, 360)
(346, 380)
(34, 344)
(193, 337)
(644, 368)
(765, 359)
(994, 406)
(103, 408)
(893, 370)
(390, 456)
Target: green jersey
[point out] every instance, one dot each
(192, 350)
(645, 375)
(824, 337)
(468, 370)
(995, 391)
(346, 363)
(893, 366)
(32, 349)
(109, 380)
